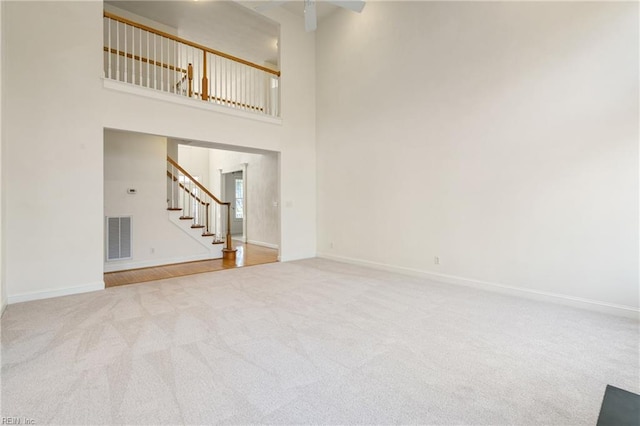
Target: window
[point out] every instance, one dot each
(239, 199)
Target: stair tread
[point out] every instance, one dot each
(174, 209)
(186, 218)
(197, 226)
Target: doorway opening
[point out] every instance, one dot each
(233, 190)
(174, 228)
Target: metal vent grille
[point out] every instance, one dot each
(118, 238)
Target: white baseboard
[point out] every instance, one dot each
(123, 266)
(577, 302)
(263, 244)
(37, 295)
(4, 306)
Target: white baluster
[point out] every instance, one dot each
(237, 82)
(161, 64)
(184, 194)
(124, 58)
(267, 108)
(109, 46)
(252, 96)
(140, 56)
(234, 83)
(211, 76)
(190, 200)
(215, 219)
(148, 61)
(155, 62)
(246, 76)
(118, 50)
(133, 55)
(214, 94)
(172, 187)
(175, 64)
(230, 82)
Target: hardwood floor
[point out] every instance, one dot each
(248, 255)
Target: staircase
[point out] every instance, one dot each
(197, 211)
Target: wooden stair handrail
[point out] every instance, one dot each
(181, 185)
(228, 252)
(198, 184)
(189, 43)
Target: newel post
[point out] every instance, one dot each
(205, 81)
(190, 76)
(229, 252)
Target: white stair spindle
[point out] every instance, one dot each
(184, 195)
(189, 198)
(172, 187)
(187, 207)
(215, 219)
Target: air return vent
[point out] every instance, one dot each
(118, 238)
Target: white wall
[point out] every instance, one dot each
(140, 19)
(501, 137)
(3, 293)
(52, 149)
(196, 162)
(294, 138)
(138, 161)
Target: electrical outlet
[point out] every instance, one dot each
(153, 250)
(331, 244)
(436, 260)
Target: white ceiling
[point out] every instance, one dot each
(322, 9)
(221, 25)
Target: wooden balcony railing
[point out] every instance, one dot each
(141, 55)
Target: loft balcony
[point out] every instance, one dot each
(150, 58)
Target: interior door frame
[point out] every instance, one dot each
(239, 168)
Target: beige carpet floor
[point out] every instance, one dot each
(310, 342)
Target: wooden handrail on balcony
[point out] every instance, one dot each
(145, 60)
(189, 43)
